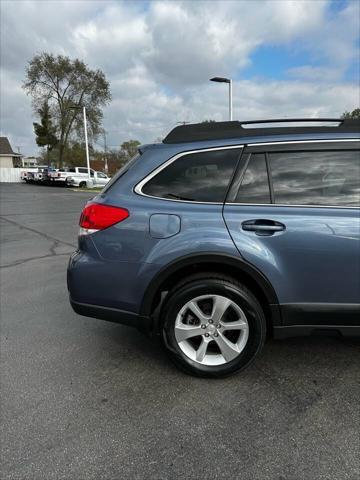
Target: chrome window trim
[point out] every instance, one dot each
(291, 142)
(140, 185)
(287, 205)
(138, 188)
(290, 205)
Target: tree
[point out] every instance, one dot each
(67, 85)
(45, 131)
(130, 148)
(75, 154)
(354, 114)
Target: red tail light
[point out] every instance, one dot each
(96, 216)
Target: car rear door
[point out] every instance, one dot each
(293, 212)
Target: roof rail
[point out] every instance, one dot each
(222, 130)
(294, 120)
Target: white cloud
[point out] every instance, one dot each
(159, 56)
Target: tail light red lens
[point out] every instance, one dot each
(96, 216)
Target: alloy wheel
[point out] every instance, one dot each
(211, 330)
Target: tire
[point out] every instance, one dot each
(212, 294)
(82, 185)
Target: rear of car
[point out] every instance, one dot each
(218, 236)
(59, 176)
(41, 175)
(24, 175)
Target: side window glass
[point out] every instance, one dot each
(72, 170)
(83, 170)
(254, 187)
(316, 178)
(200, 177)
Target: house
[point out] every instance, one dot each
(30, 162)
(8, 158)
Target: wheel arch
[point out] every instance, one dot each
(215, 262)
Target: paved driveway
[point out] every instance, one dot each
(86, 399)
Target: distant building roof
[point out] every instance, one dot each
(5, 148)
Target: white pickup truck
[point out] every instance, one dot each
(78, 177)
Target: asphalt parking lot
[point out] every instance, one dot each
(86, 399)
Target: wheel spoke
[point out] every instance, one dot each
(221, 304)
(183, 332)
(237, 325)
(201, 351)
(194, 307)
(228, 349)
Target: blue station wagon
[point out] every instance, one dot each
(226, 233)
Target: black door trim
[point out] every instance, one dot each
(294, 314)
(281, 332)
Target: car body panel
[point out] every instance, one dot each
(114, 267)
(128, 256)
(315, 260)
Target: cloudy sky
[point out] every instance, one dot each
(287, 58)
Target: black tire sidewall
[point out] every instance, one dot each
(242, 297)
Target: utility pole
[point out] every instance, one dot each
(86, 144)
(78, 107)
(22, 158)
(106, 168)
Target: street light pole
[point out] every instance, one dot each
(86, 144)
(229, 81)
(230, 101)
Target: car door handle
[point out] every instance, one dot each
(263, 227)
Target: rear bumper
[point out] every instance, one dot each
(115, 315)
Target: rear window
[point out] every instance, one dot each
(200, 177)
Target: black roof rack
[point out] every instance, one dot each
(222, 130)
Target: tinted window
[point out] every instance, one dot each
(255, 185)
(201, 177)
(316, 178)
(83, 170)
(72, 170)
(101, 175)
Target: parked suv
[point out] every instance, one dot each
(225, 233)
